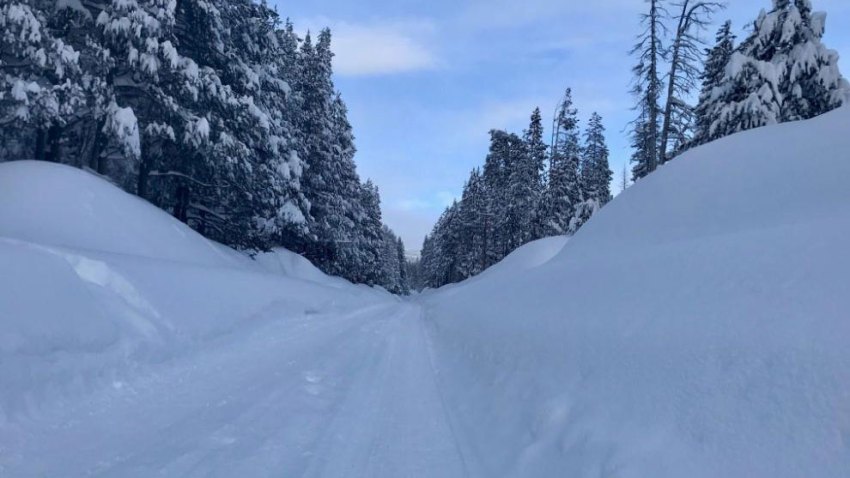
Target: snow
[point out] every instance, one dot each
(61, 206)
(22, 89)
(74, 5)
(97, 286)
(696, 326)
(124, 125)
(198, 132)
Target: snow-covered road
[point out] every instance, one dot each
(351, 395)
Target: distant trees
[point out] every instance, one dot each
(214, 110)
(512, 201)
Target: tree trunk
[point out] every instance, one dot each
(96, 160)
(181, 211)
(652, 90)
(144, 176)
(54, 135)
(681, 29)
(40, 144)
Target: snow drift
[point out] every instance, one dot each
(96, 284)
(697, 326)
(62, 206)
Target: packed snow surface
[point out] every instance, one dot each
(696, 327)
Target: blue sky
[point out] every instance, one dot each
(426, 80)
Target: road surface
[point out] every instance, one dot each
(351, 395)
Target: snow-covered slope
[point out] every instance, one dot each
(61, 206)
(96, 285)
(698, 326)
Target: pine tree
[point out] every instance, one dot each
(493, 218)
(596, 174)
(536, 154)
(366, 263)
(520, 198)
(496, 180)
(563, 191)
(781, 72)
(685, 58)
(642, 146)
(811, 83)
(210, 109)
(717, 58)
(331, 183)
(475, 223)
(403, 276)
(650, 53)
(41, 86)
(393, 263)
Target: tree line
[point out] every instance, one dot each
(213, 110)
(781, 72)
(527, 190)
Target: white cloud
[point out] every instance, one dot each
(371, 49)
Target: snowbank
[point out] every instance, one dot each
(697, 326)
(96, 284)
(59, 205)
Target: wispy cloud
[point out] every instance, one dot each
(413, 204)
(379, 48)
(511, 13)
(436, 202)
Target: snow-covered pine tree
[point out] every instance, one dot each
(331, 183)
(642, 146)
(475, 223)
(650, 53)
(263, 70)
(404, 279)
(367, 264)
(781, 72)
(747, 98)
(394, 263)
(596, 174)
(810, 83)
(390, 262)
(207, 108)
(427, 261)
(563, 189)
(41, 88)
(440, 253)
(717, 59)
(521, 196)
(414, 273)
(496, 179)
(536, 154)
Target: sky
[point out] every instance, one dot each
(426, 80)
